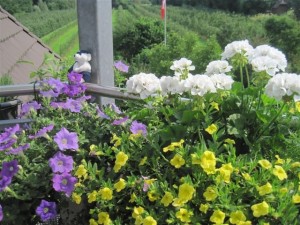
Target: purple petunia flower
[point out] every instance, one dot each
(138, 128)
(73, 105)
(8, 144)
(74, 90)
(102, 114)
(120, 121)
(1, 213)
(51, 87)
(61, 163)
(9, 169)
(28, 107)
(66, 140)
(64, 182)
(121, 66)
(57, 105)
(19, 149)
(43, 132)
(4, 182)
(74, 78)
(115, 108)
(9, 133)
(46, 210)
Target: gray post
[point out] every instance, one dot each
(95, 36)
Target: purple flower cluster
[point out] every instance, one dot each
(8, 139)
(62, 164)
(9, 169)
(42, 132)
(46, 210)
(29, 107)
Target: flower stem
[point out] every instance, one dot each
(242, 75)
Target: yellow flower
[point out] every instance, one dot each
(295, 164)
(106, 193)
(134, 137)
(103, 218)
(76, 198)
(137, 211)
(217, 217)
(152, 195)
(279, 160)
(167, 199)
(186, 192)
(279, 172)
(173, 145)
(244, 223)
(246, 176)
(225, 172)
(204, 207)
(93, 222)
(237, 217)
(177, 161)
(265, 164)
(265, 189)
(283, 190)
(143, 161)
(184, 215)
(260, 209)
(208, 162)
(81, 172)
(229, 141)
(296, 198)
(178, 202)
(297, 106)
(121, 158)
(138, 220)
(116, 140)
(149, 220)
(120, 185)
(132, 198)
(215, 105)
(210, 194)
(92, 197)
(211, 129)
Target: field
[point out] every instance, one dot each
(59, 30)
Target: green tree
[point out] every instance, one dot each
(16, 6)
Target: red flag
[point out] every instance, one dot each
(163, 9)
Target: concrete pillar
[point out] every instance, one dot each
(96, 37)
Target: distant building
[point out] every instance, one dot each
(280, 7)
(21, 52)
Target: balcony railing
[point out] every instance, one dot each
(32, 89)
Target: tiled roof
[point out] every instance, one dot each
(21, 52)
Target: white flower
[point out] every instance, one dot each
(143, 84)
(217, 67)
(236, 47)
(199, 85)
(222, 81)
(265, 63)
(171, 85)
(273, 54)
(182, 66)
(283, 84)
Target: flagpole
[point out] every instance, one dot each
(165, 22)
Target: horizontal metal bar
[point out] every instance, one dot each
(30, 89)
(11, 122)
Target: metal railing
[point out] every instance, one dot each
(31, 89)
(34, 88)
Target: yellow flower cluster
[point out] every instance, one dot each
(121, 159)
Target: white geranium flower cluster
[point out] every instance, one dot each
(217, 67)
(282, 85)
(262, 58)
(267, 58)
(143, 84)
(148, 84)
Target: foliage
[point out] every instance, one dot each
(159, 58)
(16, 6)
(5, 80)
(144, 33)
(201, 149)
(43, 23)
